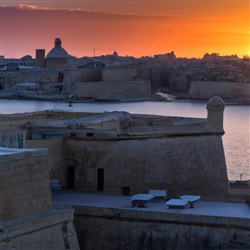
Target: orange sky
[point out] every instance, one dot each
(135, 28)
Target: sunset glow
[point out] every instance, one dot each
(141, 28)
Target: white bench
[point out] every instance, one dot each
(178, 203)
(55, 185)
(191, 198)
(158, 193)
(139, 200)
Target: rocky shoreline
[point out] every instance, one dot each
(70, 99)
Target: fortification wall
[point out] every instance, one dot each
(179, 164)
(227, 90)
(9, 78)
(90, 75)
(104, 228)
(116, 74)
(56, 157)
(24, 179)
(112, 89)
(27, 219)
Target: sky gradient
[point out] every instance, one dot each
(134, 28)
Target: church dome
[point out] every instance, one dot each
(58, 51)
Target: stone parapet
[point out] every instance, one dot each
(105, 228)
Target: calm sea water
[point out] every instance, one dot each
(236, 122)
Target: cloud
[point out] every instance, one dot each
(24, 6)
(33, 7)
(25, 28)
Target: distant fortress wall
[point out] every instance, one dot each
(90, 75)
(113, 89)
(116, 73)
(9, 78)
(107, 83)
(227, 90)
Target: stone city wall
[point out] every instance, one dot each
(24, 182)
(195, 163)
(227, 90)
(116, 74)
(9, 78)
(90, 75)
(104, 228)
(112, 89)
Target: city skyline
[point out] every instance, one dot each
(133, 28)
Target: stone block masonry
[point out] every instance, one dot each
(109, 228)
(183, 156)
(27, 219)
(227, 90)
(24, 182)
(179, 164)
(113, 89)
(51, 229)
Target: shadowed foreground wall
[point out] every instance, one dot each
(50, 229)
(27, 219)
(104, 228)
(24, 182)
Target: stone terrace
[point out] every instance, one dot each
(202, 207)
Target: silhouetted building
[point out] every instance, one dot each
(58, 57)
(40, 58)
(166, 57)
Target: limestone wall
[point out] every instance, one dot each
(51, 230)
(9, 78)
(103, 228)
(179, 164)
(56, 157)
(12, 139)
(27, 219)
(112, 89)
(24, 181)
(229, 90)
(116, 74)
(90, 75)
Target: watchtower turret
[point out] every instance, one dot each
(215, 110)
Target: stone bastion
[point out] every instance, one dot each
(27, 217)
(115, 151)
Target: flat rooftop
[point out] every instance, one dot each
(201, 207)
